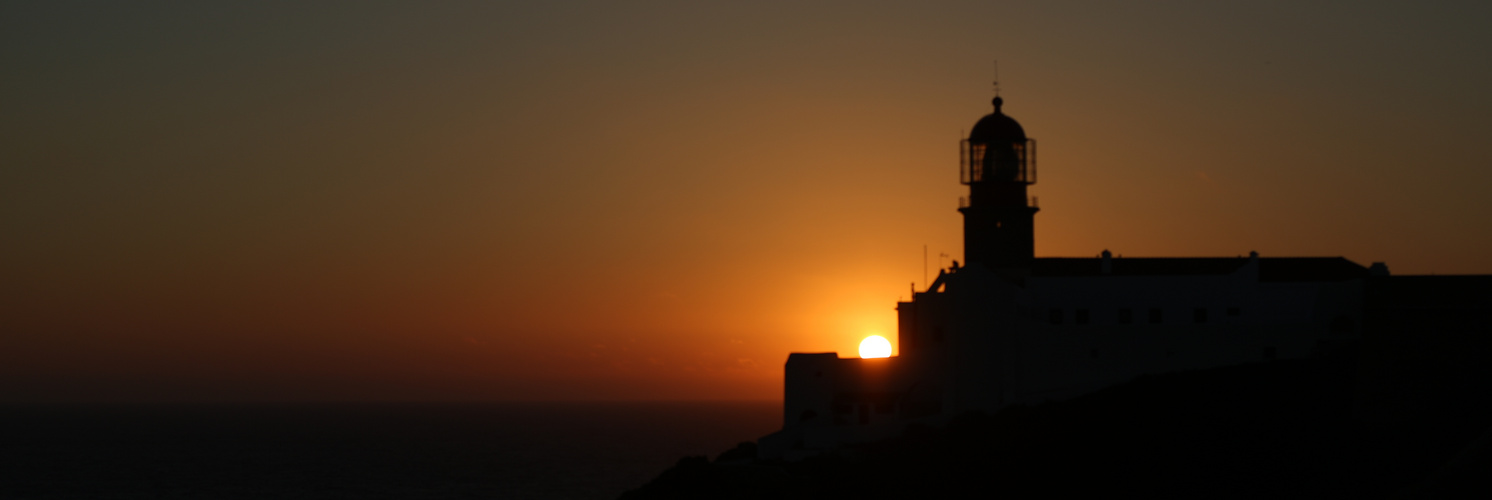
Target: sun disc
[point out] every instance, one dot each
(875, 346)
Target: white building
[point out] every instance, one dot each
(1010, 328)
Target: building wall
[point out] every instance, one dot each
(1425, 348)
(982, 341)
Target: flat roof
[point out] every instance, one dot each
(1271, 269)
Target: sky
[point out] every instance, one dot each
(659, 200)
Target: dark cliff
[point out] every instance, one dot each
(1289, 428)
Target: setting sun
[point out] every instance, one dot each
(875, 346)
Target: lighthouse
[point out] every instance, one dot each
(1010, 328)
(997, 161)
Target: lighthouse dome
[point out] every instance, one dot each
(997, 128)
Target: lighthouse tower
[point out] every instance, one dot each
(997, 162)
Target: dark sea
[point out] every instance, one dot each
(392, 451)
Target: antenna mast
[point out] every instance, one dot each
(997, 78)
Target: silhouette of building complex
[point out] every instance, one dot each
(1009, 328)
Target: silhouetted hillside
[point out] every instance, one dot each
(1266, 430)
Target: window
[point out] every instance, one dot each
(1126, 316)
(1155, 315)
(842, 413)
(1199, 315)
(1055, 316)
(1342, 326)
(1080, 316)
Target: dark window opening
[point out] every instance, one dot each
(1343, 325)
(1200, 315)
(842, 413)
(1055, 316)
(1155, 315)
(1233, 311)
(1080, 316)
(1093, 354)
(1126, 316)
(914, 409)
(807, 415)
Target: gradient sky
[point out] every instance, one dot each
(267, 201)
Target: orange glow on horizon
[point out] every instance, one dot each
(447, 203)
